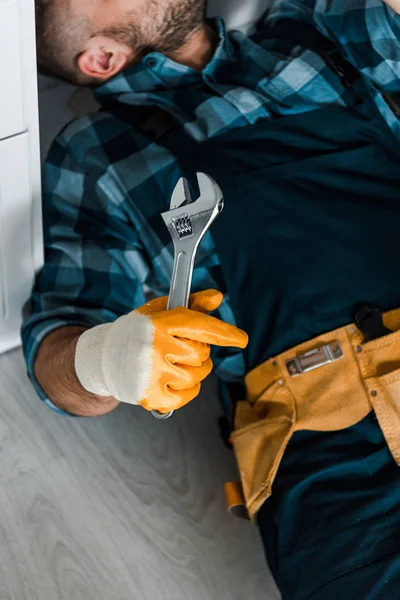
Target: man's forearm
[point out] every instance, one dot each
(55, 372)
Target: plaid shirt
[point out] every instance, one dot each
(106, 248)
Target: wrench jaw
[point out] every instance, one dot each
(187, 218)
(181, 195)
(210, 192)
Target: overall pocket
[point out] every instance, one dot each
(380, 367)
(263, 430)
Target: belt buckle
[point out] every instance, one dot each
(314, 359)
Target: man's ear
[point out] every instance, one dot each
(104, 57)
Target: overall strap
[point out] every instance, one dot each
(309, 37)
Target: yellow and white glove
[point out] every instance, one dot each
(154, 357)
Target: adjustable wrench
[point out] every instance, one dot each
(188, 222)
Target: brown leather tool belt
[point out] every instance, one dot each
(329, 383)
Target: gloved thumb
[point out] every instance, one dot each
(205, 301)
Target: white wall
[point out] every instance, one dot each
(239, 14)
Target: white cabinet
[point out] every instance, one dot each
(21, 248)
(16, 263)
(12, 114)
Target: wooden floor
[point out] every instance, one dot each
(118, 508)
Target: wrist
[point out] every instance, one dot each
(55, 373)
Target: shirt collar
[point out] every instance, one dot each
(156, 72)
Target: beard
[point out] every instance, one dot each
(160, 26)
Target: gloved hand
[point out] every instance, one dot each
(154, 357)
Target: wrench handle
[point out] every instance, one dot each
(181, 280)
(179, 295)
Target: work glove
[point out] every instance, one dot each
(154, 357)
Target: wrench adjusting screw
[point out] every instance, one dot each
(183, 226)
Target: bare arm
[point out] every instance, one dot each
(55, 372)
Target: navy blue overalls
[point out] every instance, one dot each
(311, 231)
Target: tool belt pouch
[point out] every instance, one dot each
(326, 384)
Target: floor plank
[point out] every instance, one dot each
(119, 508)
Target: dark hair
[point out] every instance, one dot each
(60, 36)
(169, 32)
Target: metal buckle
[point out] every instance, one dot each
(314, 359)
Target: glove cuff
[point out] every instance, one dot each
(115, 359)
(89, 360)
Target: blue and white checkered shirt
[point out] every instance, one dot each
(106, 247)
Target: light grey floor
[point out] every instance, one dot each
(118, 508)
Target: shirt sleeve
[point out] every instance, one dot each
(94, 264)
(367, 31)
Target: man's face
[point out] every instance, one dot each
(89, 41)
(151, 25)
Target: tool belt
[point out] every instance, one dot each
(329, 383)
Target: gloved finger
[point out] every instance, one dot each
(187, 352)
(204, 301)
(192, 325)
(171, 399)
(186, 378)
